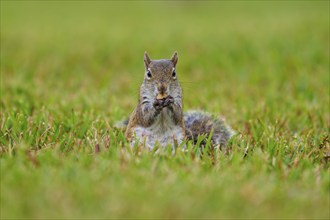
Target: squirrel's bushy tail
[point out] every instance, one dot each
(202, 123)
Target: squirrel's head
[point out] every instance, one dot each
(160, 76)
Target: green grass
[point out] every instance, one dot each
(70, 70)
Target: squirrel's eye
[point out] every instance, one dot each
(174, 74)
(148, 74)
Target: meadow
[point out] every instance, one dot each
(71, 70)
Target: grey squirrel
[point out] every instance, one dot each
(158, 117)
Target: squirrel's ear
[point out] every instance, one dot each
(174, 58)
(147, 60)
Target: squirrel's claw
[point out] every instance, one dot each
(169, 100)
(159, 104)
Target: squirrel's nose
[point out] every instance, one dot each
(162, 88)
(161, 91)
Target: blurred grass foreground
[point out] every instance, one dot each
(70, 70)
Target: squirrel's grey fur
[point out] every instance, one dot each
(202, 123)
(158, 117)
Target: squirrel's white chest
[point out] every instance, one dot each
(163, 132)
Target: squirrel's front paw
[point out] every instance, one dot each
(158, 104)
(168, 101)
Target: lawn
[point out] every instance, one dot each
(71, 70)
